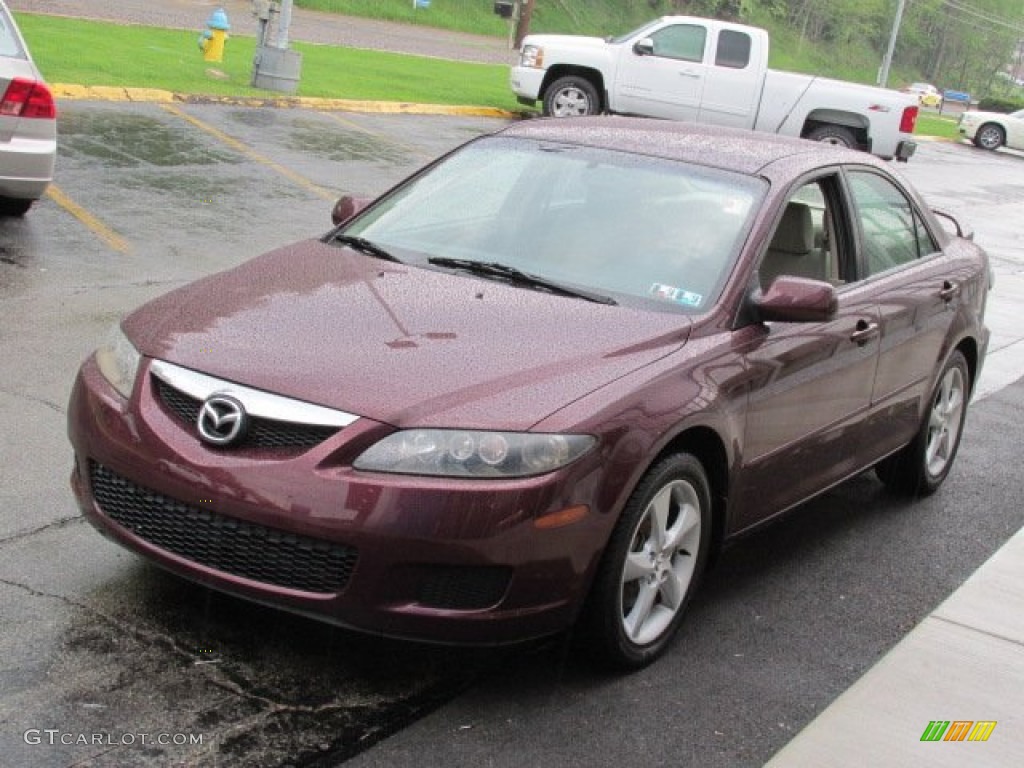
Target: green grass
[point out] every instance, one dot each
(95, 53)
(929, 124)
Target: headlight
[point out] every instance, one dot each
(118, 361)
(531, 56)
(465, 453)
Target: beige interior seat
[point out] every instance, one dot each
(792, 250)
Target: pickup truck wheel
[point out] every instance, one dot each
(571, 96)
(989, 136)
(834, 134)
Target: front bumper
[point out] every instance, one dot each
(526, 83)
(442, 560)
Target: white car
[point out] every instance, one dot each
(991, 130)
(28, 123)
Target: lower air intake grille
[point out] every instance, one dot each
(224, 543)
(462, 588)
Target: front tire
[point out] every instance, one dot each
(834, 134)
(920, 468)
(571, 96)
(652, 564)
(990, 136)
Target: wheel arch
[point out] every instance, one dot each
(968, 347)
(818, 118)
(707, 446)
(590, 74)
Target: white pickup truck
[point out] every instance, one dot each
(708, 71)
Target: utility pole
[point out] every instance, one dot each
(523, 22)
(284, 24)
(275, 67)
(883, 73)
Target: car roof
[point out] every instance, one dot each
(741, 151)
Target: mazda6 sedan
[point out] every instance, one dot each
(537, 384)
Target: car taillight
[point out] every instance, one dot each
(909, 120)
(28, 98)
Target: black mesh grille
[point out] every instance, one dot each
(233, 546)
(462, 588)
(261, 433)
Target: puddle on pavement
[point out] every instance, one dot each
(343, 145)
(204, 190)
(128, 141)
(256, 118)
(326, 139)
(261, 686)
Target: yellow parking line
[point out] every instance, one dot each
(97, 227)
(251, 153)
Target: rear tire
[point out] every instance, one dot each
(652, 565)
(571, 96)
(989, 136)
(920, 468)
(834, 134)
(10, 206)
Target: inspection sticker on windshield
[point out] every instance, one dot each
(678, 295)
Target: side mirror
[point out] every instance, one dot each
(347, 207)
(796, 300)
(644, 47)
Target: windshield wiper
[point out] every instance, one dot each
(363, 245)
(518, 277)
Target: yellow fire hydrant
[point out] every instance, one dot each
(211, 42)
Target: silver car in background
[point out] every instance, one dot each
(28, 123)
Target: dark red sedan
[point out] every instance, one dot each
(538, 383)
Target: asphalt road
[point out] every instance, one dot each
(97, 645)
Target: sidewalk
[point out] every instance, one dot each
(963, 663)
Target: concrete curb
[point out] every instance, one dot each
(73, 92)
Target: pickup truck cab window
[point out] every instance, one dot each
(733, 49)
(684, 42)
(892, 231)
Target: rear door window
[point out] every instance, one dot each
(733, 49)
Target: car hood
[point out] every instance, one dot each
(400, 344)
(575, 41)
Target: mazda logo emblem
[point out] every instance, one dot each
(221, 420)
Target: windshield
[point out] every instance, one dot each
(637, 31)
(631, 227)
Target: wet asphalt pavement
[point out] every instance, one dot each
(108, 661)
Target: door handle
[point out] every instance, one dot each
(865, 332)
(689, 73)
(950, 291)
